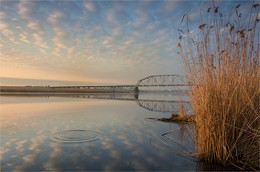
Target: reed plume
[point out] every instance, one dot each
(222, 66)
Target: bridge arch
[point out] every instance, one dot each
(161, 80)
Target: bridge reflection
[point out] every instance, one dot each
(151, 103)
(171, 106)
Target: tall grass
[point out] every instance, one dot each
(222, 62)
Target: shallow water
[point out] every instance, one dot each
(79, 133)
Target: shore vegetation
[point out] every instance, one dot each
(222, 63)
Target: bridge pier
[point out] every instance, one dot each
(136, 93)
(136, 90)
(136, 96)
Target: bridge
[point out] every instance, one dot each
(172, 106)
(130, 92)
(150, 81)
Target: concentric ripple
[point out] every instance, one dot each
(75, 136)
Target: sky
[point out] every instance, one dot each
(95, 41)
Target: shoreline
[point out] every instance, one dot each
(54, 90)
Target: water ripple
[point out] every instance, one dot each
(75, 136)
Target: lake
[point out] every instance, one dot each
(93, 132)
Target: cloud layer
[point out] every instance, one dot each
(105, 41)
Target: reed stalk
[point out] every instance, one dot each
(222, 63)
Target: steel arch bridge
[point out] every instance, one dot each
(161, 80)
(150, 81)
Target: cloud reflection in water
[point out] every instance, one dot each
(125, 142)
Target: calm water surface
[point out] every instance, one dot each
(81, 133)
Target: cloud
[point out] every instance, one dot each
(8, 34)
(90, 57)
(169, 6)
(37, 26)
(43, 51)
(30, 11)
(57, 52)
(144, 13)
(22, 30)
(3, 16)
(33, 156)
(56, 16)
(39, 40)
(54, 157)
(61, 35)
(91, 6)
(140, 166)
(117, 15)
(3, 25)
(143, 17)
(26, 9)
(118, 31)
(71, 50)
(108, 41)
(102, 39)
(23, 38)
(129, 42)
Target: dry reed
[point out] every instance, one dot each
(222, 63)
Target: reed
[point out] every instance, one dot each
(222, 63)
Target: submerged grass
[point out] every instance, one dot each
(222, 63)
(182, 119)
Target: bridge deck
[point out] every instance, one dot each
(120, 86)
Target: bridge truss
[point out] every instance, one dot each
(161, 80)
(150, 81)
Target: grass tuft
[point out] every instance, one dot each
(222, 62)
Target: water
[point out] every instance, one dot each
(92, 132)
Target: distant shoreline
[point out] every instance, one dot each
(53, 90)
